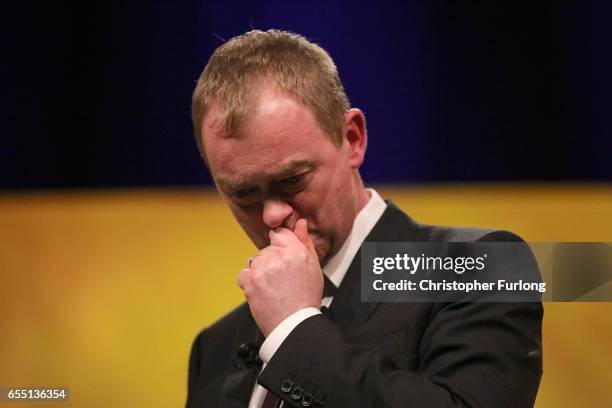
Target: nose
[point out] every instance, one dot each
(276, 212)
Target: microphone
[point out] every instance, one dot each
(247, 356)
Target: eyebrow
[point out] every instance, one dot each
(287, 170)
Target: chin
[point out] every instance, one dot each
(322, 249)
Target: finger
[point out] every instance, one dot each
(283, 237)
(241, 278)
(301, 232)
(264, 256)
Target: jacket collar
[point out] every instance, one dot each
(239, 383)
(347, 310)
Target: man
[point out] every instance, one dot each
(284, 148)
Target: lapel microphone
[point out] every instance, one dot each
(247, 356)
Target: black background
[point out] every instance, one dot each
(98, 94)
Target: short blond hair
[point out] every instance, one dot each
(289, 61)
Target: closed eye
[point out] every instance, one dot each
(294, 184)
(292, 181)
(245, 193)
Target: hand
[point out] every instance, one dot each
(283, 278)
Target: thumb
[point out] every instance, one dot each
(301, 231)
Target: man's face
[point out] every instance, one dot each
(284, 167)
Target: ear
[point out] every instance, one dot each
(356, 136)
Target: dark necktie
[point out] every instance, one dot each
(328, 287)
(271, 401)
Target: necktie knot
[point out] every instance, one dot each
(328, 287)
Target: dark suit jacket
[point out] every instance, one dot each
(383, 354)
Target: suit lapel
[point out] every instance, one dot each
(347, 310)
(237, 388)
(238, 384)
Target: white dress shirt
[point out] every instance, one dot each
(335, 270)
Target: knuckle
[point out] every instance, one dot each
(257, 278)
(240, 278)
(244, 277)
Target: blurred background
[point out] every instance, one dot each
(115, 250)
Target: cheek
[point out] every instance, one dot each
(325, 226)
(321, 207)
(323, 248)
(337, 212)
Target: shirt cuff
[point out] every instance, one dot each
(280, 333)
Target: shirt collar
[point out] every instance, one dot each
(364, 222)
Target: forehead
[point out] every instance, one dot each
(279, 133)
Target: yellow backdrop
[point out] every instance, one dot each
(103, 292)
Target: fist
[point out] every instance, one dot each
(283, 278)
